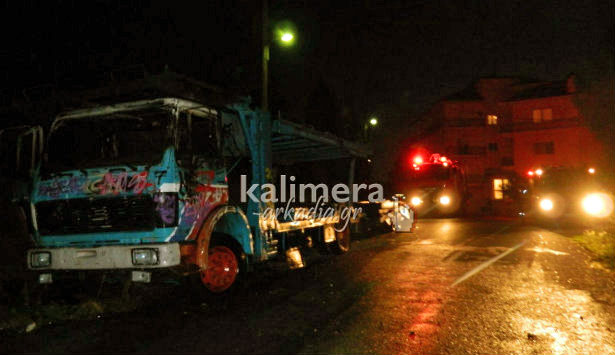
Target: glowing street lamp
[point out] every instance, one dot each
(372, 122)
(287, 38)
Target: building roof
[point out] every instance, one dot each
(468, 94)
(509, 89)
(555, 88)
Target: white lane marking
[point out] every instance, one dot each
(482, 266)
(547, 250)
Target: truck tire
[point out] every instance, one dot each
(341, 244)
(226, 265)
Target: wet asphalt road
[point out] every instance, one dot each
(393, 293)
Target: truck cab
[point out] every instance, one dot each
(121, 186)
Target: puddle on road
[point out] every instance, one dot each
(563, 321)
(514, 309)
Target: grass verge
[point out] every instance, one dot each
(602, 244)
(26, 319)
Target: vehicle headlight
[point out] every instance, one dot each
(597, 204)
(144, 256)
(546, 204)
(415, 201)
(387, 204)
(445, 200)
(40, 259)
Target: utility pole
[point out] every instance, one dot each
(265, 58)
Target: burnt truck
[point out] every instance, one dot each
(433, 185)
(151, 185)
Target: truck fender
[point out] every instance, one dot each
(229, 220)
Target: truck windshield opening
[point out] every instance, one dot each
(563, 179)
(138, 138)
(429, 172)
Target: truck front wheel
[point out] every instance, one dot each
(224, 265)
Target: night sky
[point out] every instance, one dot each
(352, 59)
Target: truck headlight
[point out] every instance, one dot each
(445, 200)
(597, 204)
(546, 204)
(415, 201)
(40, 259)
(144, 256)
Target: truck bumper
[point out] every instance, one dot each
(105, 257)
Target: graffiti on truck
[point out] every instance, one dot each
(58, 187)
(166, 207)
(122, 182)
(184, 209)
(198, 206)
(108, 183)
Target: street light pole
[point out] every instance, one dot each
(284, 34)
(265, 59)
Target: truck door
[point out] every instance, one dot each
(199, 149)
(20, 152)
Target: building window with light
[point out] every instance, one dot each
(540, 115)
(500, 186)
(492, 120)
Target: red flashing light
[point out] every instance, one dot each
(443, 159)
(418, 160)
(530, 173)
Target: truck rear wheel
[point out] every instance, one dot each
(225, 264)
(341, 244)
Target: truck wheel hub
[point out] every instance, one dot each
(222, 269)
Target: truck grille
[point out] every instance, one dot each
(91, 215)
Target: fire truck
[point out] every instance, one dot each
(566, 192)
(434, 185)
